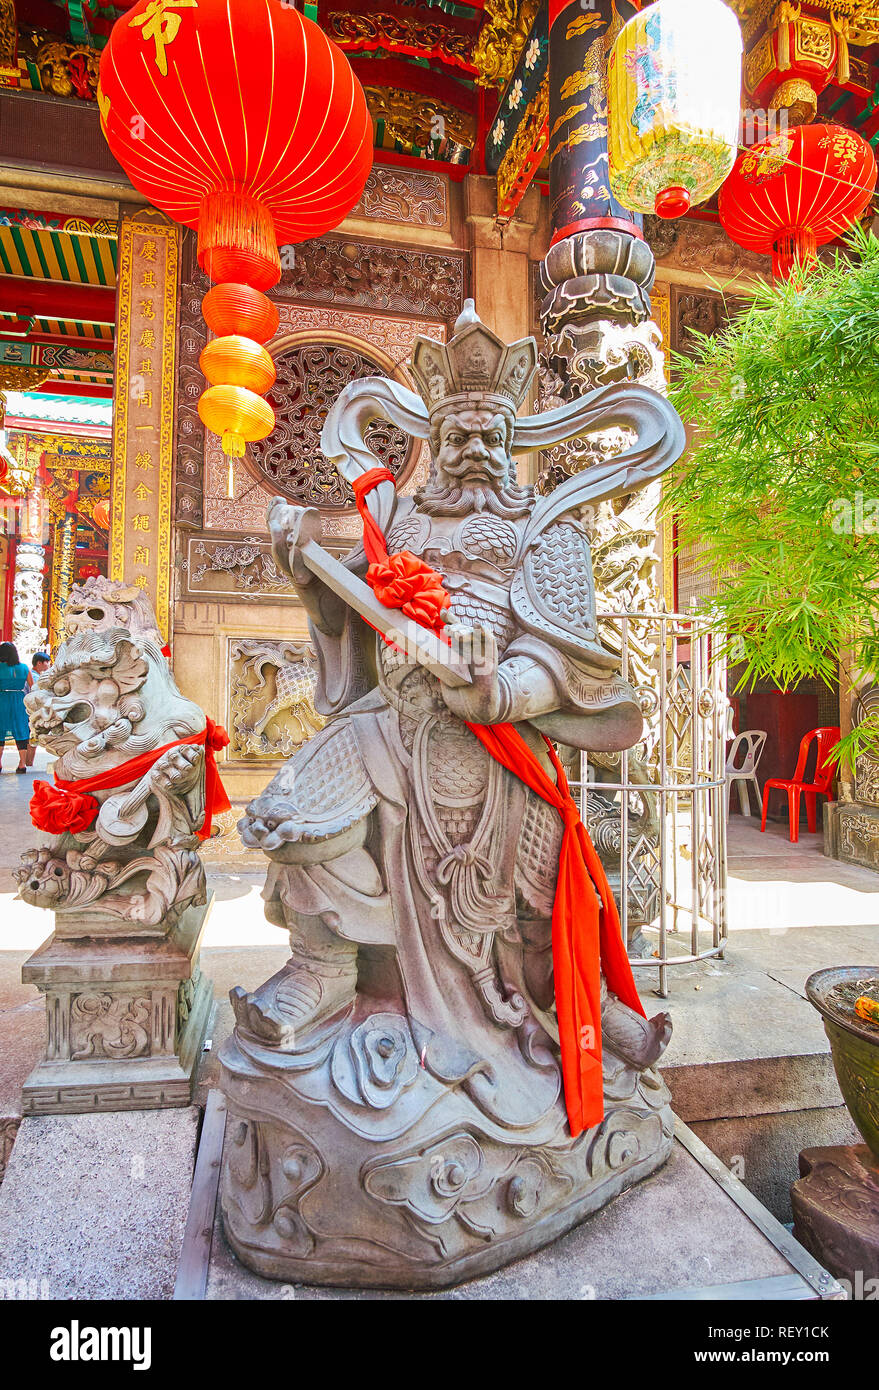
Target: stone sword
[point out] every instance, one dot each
(417, 642)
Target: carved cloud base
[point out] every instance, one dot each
(413, 1190)
(126, 1021)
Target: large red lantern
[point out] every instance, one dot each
(241, 120)
(796, 191)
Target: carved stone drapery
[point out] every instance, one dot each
(290, 462)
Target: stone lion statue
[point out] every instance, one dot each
(127, 806)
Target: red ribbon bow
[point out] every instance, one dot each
(68, 806)
(586, 933)
(407, 583)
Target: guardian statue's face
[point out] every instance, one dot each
(473, 449)
(472, 467)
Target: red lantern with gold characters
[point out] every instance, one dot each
(246, 122)
(797, 191)
(101, 514)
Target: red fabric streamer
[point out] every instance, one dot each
(67, 806)
(586, 933)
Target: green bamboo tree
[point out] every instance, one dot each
(781, 486)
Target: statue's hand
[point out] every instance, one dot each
(480, 702)
(290, 526)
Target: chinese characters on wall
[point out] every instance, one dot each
(143, 425)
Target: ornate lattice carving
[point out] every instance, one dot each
(310, 377)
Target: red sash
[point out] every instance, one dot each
(68, 806)
(586, 933)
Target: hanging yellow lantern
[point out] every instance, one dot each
(238, 415)
(674, 91)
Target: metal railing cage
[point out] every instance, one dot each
(656, 813)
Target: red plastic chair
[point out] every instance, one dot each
(821, 786)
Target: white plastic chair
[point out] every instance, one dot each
(746, 774)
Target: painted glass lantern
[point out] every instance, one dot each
(674, 111)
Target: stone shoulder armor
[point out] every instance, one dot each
(553, 593)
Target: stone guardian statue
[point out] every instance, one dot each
(396, 1107)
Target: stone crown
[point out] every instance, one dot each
(474, 363)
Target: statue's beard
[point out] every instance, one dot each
(452, 498)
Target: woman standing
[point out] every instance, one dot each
(15, 680)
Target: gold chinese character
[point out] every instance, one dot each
(148, 250)
(147, 308)
(141, 555)
(141, 522)
(145, 398)
(147, 338)
(142, 492)
(160, 25)
(146, 366)
(143, 462)
(148, 280)
(142, 582)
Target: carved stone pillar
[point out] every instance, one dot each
(28, 632)
(62, 575)
(595, 313)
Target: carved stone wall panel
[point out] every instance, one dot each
(398, 195)
(392, 337)
(701, 247)
(233, 567)
(271, 698)
(398, 279)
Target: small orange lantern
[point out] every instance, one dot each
(101, 515)
(239, 308)
(239, 415)
(237, 361)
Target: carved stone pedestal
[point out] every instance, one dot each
(348, 1164)
(126, 1019)
(851, 833)
(836, 1210)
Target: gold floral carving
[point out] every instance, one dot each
(358, 31)
(503, 35)
(531, 133)
(17, 378)
(8, 33)
(412, 118)
(57, 64)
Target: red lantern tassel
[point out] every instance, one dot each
(236, 240)
(797, 247)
